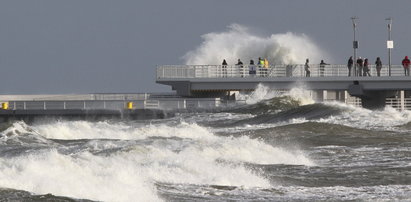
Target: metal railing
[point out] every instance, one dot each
(80, 105)
(81, 97)
(397, 103)
(220, 71)
(173, 103)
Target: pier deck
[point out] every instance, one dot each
(218, 80)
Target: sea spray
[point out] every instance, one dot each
(239, 42)
(179, 160)
(358, 117)
(263, 92)
(190, 133)
(92, 163)
(83, 175)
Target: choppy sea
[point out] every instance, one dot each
(272, 150)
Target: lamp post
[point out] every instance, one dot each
(355, 44)
(390, 44)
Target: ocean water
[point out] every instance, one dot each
(281, 148)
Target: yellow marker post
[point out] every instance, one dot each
(5, 105)
(129, 105)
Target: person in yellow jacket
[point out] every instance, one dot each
(266, 63)
(261, 66)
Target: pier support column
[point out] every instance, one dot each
(345, 96)
(341, 96)
(370, 99)
(402, 100)
(374, 99)
(320, 95)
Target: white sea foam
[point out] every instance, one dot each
(240, 42)
(351, 116)
(263, 92)
(358, 117)
(181, 154)
(83, 176)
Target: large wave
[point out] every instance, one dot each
(262, 92)
(120, 162)
(240, 42)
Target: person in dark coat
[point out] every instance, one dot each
(252, 68)
(360, 64)
(322, 67)
(349, 65)
(240, 67)
(406, 65)
(365, 68)
(378, 66)
(307, 68)
(224, 68)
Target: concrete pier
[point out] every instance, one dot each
(80, 114)
(99, 106)
(215, 80)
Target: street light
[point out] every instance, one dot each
(355, 44)
(390, 44)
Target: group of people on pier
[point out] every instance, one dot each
(361, 67)
(261, 63)
(364, 70)
(321, 70)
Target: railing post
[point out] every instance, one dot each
(301, 71)
(338, 71)
(402, 96)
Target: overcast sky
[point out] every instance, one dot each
(113, 46)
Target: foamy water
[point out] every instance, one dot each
(263, 92)
(128, 160)
(358, 117)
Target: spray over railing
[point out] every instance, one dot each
(239, 71)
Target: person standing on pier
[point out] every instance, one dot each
(307, 68)
(366, 69)
(322, 67)
(378, 66)
(251, 68)
(349, 65)
(240, 67)
(224, 68)
(261, 67)
(359, 64)
(266, 66)
(406, 65)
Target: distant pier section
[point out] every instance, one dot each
(99, 106)
(327, 81)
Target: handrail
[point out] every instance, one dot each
(239, 71)
(159, 104)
